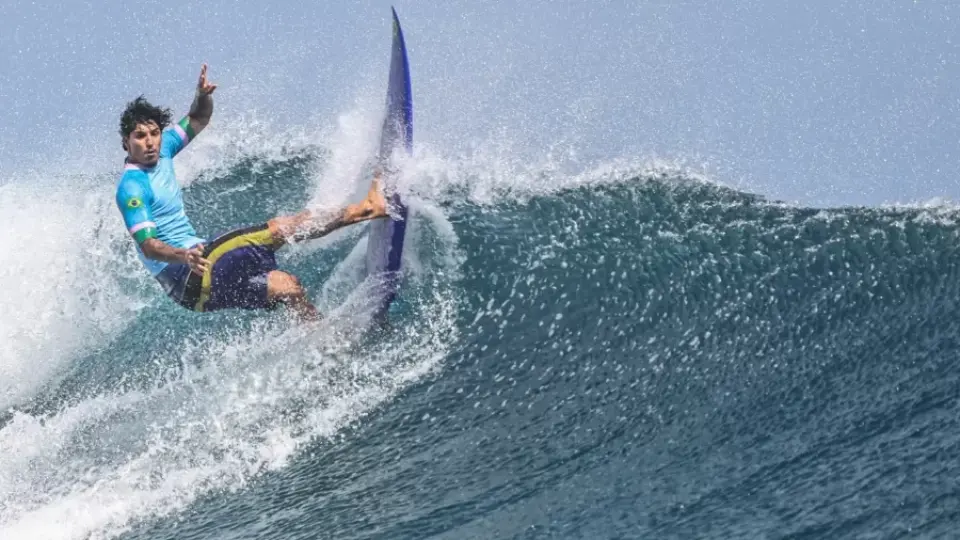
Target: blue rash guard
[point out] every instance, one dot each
(240, 260)
(151, 201)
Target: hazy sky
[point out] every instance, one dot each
(824, 102)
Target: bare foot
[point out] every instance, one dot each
(375, 203)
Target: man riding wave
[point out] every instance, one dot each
(237, 269)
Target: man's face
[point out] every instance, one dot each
(143, 144)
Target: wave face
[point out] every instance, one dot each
(629, 351)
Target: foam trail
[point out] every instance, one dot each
(111, 460)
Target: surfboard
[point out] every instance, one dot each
(386, 236)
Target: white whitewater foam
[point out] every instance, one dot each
(62, 268)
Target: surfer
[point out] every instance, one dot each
(237, 269)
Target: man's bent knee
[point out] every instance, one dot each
(282, 286)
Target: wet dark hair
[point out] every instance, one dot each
(141, 111)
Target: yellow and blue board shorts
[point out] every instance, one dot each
(237, 277)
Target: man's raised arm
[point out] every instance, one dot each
(202, 108)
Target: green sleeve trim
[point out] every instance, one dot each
(187, 128)
(143, 234)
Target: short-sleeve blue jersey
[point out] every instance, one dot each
(151, 200)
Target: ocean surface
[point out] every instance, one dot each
(626, 351)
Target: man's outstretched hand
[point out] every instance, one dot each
(204, 88)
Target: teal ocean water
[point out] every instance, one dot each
(626, 352)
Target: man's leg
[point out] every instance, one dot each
(307, 225)
(286, 289)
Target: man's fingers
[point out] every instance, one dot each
(197, 263)
(200, 267)
(202, 84)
